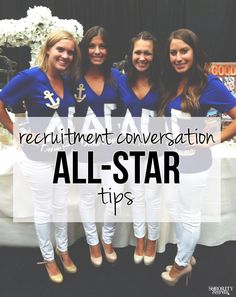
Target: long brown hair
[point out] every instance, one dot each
(197, 75)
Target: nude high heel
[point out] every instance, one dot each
(151, 250)
(109, 252)
(54, 277)
(139, 251)
(95, 255)
(173, 276)
(69, 268)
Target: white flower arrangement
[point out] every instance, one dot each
(32, 30)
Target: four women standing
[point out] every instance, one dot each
(186, 87)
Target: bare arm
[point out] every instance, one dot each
(5, 119)
(230, 130)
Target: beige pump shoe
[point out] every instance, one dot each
(173, 276)
(95, 255)
(53, 271)
(65, 258)
(139, 250)
(110, 253)
(150, 252)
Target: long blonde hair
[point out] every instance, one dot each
(52, 39)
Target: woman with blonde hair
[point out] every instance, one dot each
(45, 90)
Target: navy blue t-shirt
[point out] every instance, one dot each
(215, 95)
(88, 99)
(33, 86)
(133, 103)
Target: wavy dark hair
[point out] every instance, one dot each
(84, 45)
(153, 71)
(196, 79)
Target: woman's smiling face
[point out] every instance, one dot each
(142, 55)
(97, 51)
(180, 55)
(61, 55)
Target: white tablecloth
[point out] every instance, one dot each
(212, 234)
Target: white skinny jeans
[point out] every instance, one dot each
(87, 204)
(184, 202)
(146, 206)
(50, 205)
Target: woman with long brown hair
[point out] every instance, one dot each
(189, 91)
(139, 93)
(96, 92)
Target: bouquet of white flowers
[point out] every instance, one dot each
(32, 30)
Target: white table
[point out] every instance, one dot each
(212, 234)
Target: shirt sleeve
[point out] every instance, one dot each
(17, 89)
(116, 74)
(218, 96)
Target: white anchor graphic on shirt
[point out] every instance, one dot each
(53, 104)
(79, 96)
